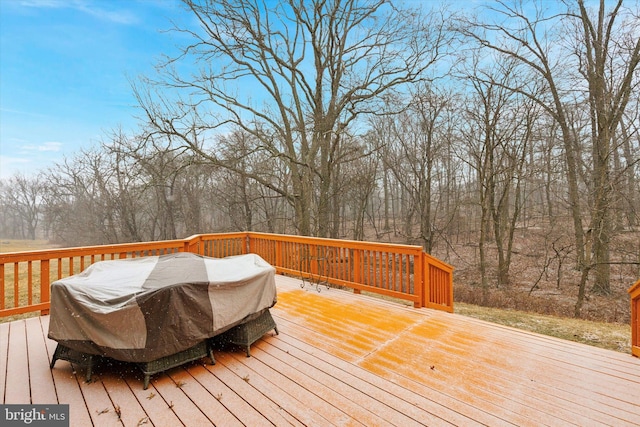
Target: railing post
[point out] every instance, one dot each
(450, 275)
(634, 292)
(192, 244)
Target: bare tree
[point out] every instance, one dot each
(76, 206)
(127, 187)
(527, 40)
(609, 62)
(496, 154)
(294, 74)
(606, 62)
(240, 150)
(354, 191)
(414, 153)
(630, 174)
(21, 205)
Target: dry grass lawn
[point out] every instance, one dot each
(9, 245)
(612, 336)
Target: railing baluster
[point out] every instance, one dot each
(29, 282)
(16, 281)
(45, 284)
(2, 296)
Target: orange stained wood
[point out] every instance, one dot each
(343, 359)
(634, 293)
(424, 348)
(400, 271)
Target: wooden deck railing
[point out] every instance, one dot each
(634, 292)
(400, 271)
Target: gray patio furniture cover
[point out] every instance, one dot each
(141, 309)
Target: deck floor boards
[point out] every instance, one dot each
(42, 388)
(17, 384)
(342, 360)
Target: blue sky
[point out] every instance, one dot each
(65, 67)
(65, 71)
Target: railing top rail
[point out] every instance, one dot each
(336, 242)
(438, 262)
(34, 255)
(197, 237)
(43, 254)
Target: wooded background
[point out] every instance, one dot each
(500, 138)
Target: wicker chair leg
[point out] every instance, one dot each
(210, 350)
(76, 357)
(89, 369)
(161, 364)
(247, 333)
(146, 381)
(56, 353)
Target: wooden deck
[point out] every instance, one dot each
(343, 359)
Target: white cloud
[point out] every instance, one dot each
(89, 7)
(50, 146)
(45, 146)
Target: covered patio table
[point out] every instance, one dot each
(145, 309)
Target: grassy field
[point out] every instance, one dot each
(9, 245)
(613, 336)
